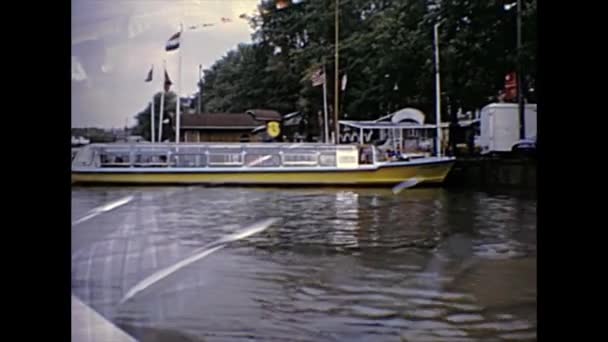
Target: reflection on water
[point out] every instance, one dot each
(356, 265)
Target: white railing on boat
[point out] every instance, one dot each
(221, 155)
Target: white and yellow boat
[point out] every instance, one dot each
(250, 164)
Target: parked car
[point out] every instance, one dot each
(525, 146)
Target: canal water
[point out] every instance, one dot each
(428, 264)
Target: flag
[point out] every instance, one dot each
(344, 80)
(167, 79)
(78, 73)
(173, 42)
(511, 80)
(510, 86)
(282, 4)
(149, 78)
(318, 77)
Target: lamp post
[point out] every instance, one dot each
(519, 74)
(520, 77)
(437, 93)
(200, 88)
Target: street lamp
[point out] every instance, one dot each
(519, 74)
(437, 92)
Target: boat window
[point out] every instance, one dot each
(366, 155)
(327, 159)
(186, 150)
(85, 156)
(115, 158)
(148, 158)
(262, 160)
(295, 159)
(188, 160)
(225, 159)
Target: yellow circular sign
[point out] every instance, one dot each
(273, 129)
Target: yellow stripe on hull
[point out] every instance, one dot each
(431, 173)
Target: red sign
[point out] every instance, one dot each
(281, 4)
(511, 86)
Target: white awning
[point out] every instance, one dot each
(389, 125)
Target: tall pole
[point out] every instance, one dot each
(162, 103)
(179, 87)
(519, 77)
(325, 118)
(437, 94)
(152, 120)
(152, 116)
(336, 79)
(200, 88)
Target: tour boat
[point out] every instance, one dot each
(298, 164)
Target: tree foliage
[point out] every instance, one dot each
(386, 48)
(143, 118)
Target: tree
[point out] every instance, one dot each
(386, 49)
(142, 127)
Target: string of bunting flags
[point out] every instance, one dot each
(173, 44)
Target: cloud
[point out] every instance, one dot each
(114, 43)
(78, 73)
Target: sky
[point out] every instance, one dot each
(116, 42)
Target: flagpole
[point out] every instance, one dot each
(152, 120)
(325, 118)
(336, 78)
(200, 88)
(179, 86)
(162, 103)
(152, 115)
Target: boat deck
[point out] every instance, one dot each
(242, 164)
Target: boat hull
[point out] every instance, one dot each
(391, 173)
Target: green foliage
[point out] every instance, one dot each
(143, 118)
(386, 48)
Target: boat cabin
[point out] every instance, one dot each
(231, 155)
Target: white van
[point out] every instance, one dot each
(499, 128)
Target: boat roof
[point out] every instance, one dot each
(148, 145)
(389, 125)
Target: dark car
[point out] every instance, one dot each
(525, 146)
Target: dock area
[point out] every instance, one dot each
(500, 171)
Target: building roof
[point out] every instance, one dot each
(265, 114)
(219, 121)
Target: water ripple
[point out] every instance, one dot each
(356, 265)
